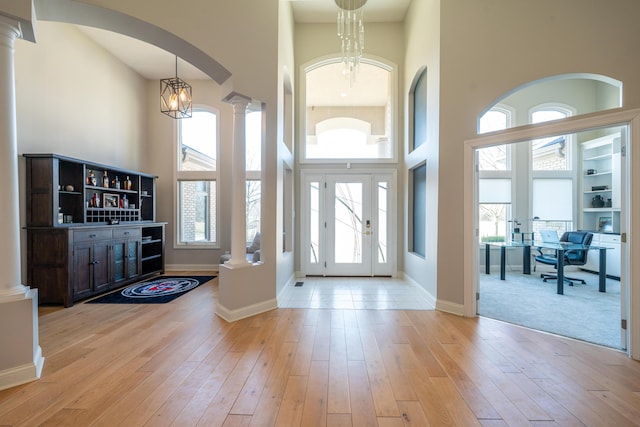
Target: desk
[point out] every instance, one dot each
(559, 247)
(526, 255)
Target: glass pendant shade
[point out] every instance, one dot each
(175, 97)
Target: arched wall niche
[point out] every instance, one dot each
(74, 12)
(586, 93)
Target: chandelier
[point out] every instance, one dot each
(175, 97)
(351, 33)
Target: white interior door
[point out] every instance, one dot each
(347, 220)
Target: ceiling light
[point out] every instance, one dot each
(175, 97)
(351, 33)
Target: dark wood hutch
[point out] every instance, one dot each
(76, 246)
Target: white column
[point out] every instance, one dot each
(238, 182)
(10, 208)
(20, 355)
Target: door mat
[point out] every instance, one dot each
(158, 290)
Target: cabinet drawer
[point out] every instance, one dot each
(127, 233)
(609, 238)
(84, 235)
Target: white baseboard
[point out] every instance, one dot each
(431, 299)
(170, 268)
(450, 307)
(244, 312)
(23, 374)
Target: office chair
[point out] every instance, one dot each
(571, 256)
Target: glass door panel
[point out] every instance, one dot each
(349, 225)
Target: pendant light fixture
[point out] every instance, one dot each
(175, 97)
(351, 33)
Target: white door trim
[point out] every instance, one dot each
(630, 224)
(389, 268)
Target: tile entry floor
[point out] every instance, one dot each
(365, 293)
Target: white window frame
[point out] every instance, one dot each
(507, 174)
(179, 175)
(392, 111)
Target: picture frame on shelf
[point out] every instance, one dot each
(605, 225)
(110, 201)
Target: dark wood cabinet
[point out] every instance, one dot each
(78, 248)
(126, 248)
(90, 268)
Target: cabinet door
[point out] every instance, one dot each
(126, 259)
(82, 270)
(133, 258)
(119, 265)
(101, 280)
(612, 241)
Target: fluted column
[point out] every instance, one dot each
(10, 286)
(238, 182)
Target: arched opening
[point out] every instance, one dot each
(73, 12)
(589, 93)
(547, 182)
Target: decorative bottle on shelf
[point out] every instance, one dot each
(91, 178)
(127, 183)
(96, 200)
(116, 183)
(105, 180)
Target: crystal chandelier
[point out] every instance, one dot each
(351, 33)
(175, 97)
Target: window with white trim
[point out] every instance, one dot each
(253, 164)
(196, 179)
(495, 179)
(552, 153)
(348, 121)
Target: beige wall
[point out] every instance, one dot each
(422, 51)
(244, 40)
(161, 159)
(286, 76)
(489, 48)
(76, 99)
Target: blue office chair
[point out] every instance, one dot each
(571, 256)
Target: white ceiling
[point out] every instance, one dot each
(154, 63)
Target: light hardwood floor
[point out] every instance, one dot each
(179, 364)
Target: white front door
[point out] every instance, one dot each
(347, 221)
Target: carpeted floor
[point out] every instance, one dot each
(582, 312)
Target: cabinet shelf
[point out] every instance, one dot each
(109, 189)
(146, 242)
(588, 175)
(608, 190)
(600, 210)
(595, 158)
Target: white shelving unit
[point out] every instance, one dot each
(601, 181)
(601, 178)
